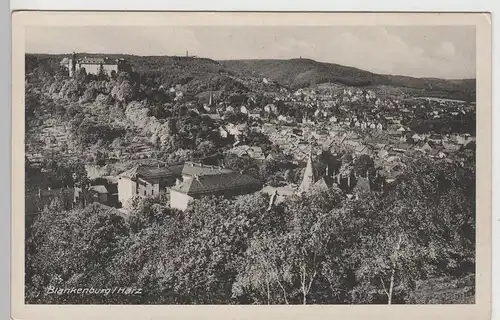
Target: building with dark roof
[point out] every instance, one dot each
(199, 181)
(191, 169)
(99, 193)
(146, 180)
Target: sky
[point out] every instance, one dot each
(447, 52)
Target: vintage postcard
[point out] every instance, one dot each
(251, 165)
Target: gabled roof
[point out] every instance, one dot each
(252, 151)
(104, 208)
(99, 189)
(213, 116)
(57, 192)
(192, 168)
(212, 183)
(324, 184)
(97, 60)
(401, 146)
(151, 172)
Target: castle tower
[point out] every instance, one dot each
(308, 179)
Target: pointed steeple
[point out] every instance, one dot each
(308, 179)
(272, 200)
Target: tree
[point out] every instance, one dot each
(32, 104)
(159, 112)
(123, 92)
(416, 233)
(205, 149)
(244, 164)
(81, 75)
(285, 265)
(73, 248)
(101, 74)
(89, 95)
(363, 164)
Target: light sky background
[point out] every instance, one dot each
(419, 51)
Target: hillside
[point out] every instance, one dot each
(297, 73)
(203, 74)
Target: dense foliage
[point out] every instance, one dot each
(320, 248)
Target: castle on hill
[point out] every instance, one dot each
(94, 65)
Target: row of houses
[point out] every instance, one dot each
(183, 183)
(187, 181)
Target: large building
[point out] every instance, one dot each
(144, 180)
(200, 180)
(93, 65)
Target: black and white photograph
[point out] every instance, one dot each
(250, 165)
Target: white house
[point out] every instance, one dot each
(144, 180)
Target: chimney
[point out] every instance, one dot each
(327, 173)
(349, 181)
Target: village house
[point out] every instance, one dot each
(199, 181)
(214, 116)
(435, 138)
(285, 119)
(99, 193)
(253, 152)
(437, 153)
(178, 96)
(105, 190)
(270, 108)
(254, 114)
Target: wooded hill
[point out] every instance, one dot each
(299, 73)
(199, 74)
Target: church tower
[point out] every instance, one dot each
(308, 179)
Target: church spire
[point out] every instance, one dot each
(308, 179)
